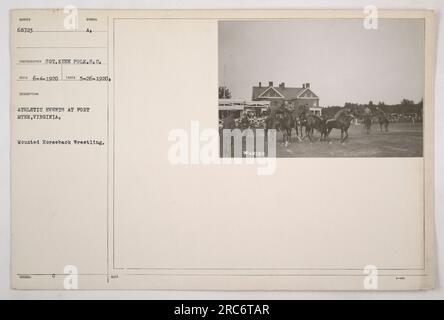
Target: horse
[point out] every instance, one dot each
(367, 123)
(282, 121)
(311, 122)
(343, 123)
(383, 121)
(285, 125)
(299, 121)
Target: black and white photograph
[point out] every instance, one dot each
(325, 87)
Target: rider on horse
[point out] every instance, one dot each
(245, 122)
(382, 118)
(367, 119)
(342, 112)
(304, 113)
(284, 107)
(367, 114)
(367, 111)
(381, 114)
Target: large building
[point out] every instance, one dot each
(294, 96)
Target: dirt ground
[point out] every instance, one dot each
(402, 140)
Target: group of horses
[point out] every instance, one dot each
(285, 120)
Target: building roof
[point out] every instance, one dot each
(289, 93)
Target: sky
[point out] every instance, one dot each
(342, 61)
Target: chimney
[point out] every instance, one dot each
(307, 85)
(270, 83)
(260, 84)
(282, 85)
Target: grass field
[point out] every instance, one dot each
(402, 140)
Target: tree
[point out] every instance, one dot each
(406, 102)
(224, 93)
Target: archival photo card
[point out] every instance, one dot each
(122, 177)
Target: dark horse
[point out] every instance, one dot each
(311, 122)
(281, 120)
(383, 122)
(343, 123)
(367, 123)
(299, 118)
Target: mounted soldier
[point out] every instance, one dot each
(382, 118)
(342, 113)
(245, 122)
(367, 119)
